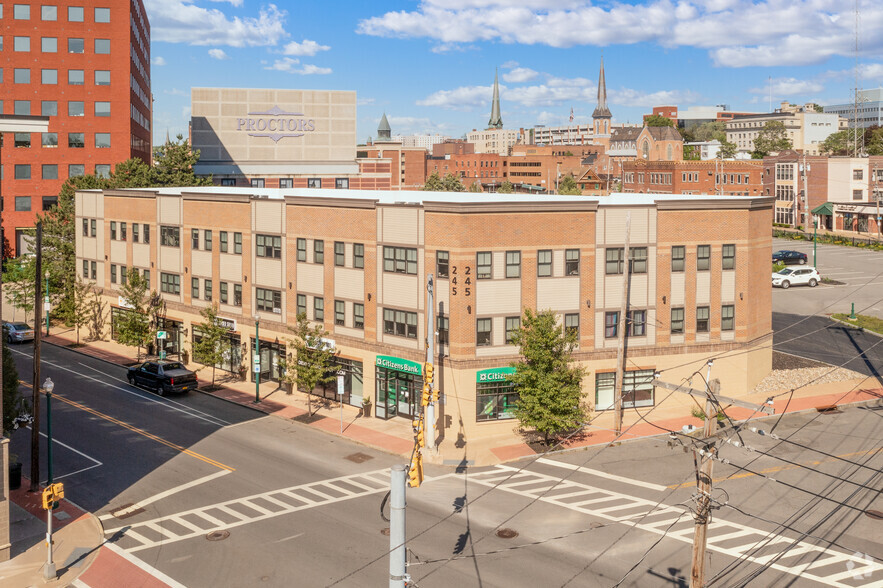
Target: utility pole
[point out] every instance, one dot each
(805, 216)
(397, 570)
(622, 326)
(38, 307)
(704, 488)
(429, 411)
(876, 199)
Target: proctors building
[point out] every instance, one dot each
(358, 261)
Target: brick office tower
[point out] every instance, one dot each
(86, 65)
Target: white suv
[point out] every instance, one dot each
(788, 277)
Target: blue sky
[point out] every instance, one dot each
(429, 64)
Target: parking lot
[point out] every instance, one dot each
(860, 271)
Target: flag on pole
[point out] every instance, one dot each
(571, 114)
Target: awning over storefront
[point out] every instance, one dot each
(826, 209)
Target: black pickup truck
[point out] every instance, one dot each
(163, 376)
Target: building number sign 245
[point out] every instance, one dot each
(467, 281)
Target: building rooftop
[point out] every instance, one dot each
(419, 196)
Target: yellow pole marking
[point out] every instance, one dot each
(139, 431)
(775, 469)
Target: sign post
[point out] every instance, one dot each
(340, 398)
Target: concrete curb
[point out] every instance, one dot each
(855, 327)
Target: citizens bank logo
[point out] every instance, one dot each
(275, 124)
(860, 574)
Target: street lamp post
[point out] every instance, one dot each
(256, 360)
(46, 305)
(815, 228)
(49, 571)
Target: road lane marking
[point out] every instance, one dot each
(144, 433)
(161, 495)
(669, 521)
(601, 474)
(247, 422)
(774, 469)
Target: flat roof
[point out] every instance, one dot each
(419, 196)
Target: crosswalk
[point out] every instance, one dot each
(827, 566)
(201, 521)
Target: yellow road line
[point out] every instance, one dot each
(773, 470)
(140, 431)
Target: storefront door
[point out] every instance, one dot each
(399, 386)
(271, 354)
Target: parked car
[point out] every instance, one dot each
(163, 377)
(789, 257)
(788, 277)
(18, 332)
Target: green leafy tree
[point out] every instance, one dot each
(549, 387)
(773, 137)
(452, 183)
(874, 140)
(14, 404)
(310, 361)
(173, 165)
(132, 173)
(841, 142)
(133, 325)
(711, 130)
(657, 120)
(506, 188)
(18, 283)
(475, 187)
(208, 349)
(434, 183)
(727, 150)
(568, 186)
(81, 305)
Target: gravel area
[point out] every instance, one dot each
(790, 371)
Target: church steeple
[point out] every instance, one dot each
(496, 121)
(384, 132)
(601, 111)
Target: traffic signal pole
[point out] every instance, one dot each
(428, 376)
(397, 571)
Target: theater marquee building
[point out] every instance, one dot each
(358, 262)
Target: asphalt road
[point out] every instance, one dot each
(301, 511)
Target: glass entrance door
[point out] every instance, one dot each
(396, 394)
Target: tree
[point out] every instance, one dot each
(549, 387)
(18, 282)
(434, 183)
(569, 187)
(475, 187)
(452, 183)
(771, 138)
(312, 361)
(81, 305)
(133, 326)
(132, 173)
(657, 120)
(841, 142)
(727, 150)
(208, 350)
(14, 404)
(874, 140)
(506, 188)
(711, 130)
(173, 165)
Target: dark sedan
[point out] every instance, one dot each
(163, 377)
(789, 257)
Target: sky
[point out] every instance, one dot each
(430, 64)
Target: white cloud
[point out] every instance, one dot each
(181, 21)
(737, 33)
(519, 74)
(410, 125)
(175, 92)
(306, 49)
(463, 98)
(158, 61)
(218, 54)
(788, 87)
(290, 65)
(510, 65)
(364, 101)
(233, 2)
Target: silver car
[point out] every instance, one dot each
(18, 332)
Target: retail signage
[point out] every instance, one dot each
(124, 303)
(229, 324)
(400, 365)
(275, 124)
(494, 374)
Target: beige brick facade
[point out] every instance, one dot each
(503, 256)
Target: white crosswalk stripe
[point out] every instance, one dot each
(734, 539)
(250, 509)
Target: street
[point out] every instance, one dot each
(214, 494)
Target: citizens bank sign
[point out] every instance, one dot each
(275, 124)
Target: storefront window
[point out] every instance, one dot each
(495, 396)
(271, 353)
(637, 389)
(352, 382)
(231, 351)
(399, 385)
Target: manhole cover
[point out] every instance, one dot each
(217, 535)
(359, 457)
(385, 531)
(507, 533)
(874, 514)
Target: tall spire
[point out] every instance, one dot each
(496, 121)
(601, 111)
(383, 129)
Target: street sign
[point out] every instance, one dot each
(162, 335)
(256, 359)
(257, 368)
(47, 306)
(340, 384)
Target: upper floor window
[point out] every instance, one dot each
(513, 264)
(342, 183)
(638, 260)
(677, 321)
(614, 261)
(339, 249)
(194, 238)
(102, 46)
(21, 12)
(728, 257)
(170, 283)
(224, 241)
(318, 251)
(269, 300)
(286, 183)
(358, 255)
(513, 324)
(544, 263)
(75, 14)
(49, 13)
(339, 312)
(401, 260)
(571, 324)
(257, 182)
(314, 182)
(400, 323)
(102, 15)
(358, 315)
(169, 236)
(611, 324)
(442, 264)
(268, 246)
(702, 319)
(678, 254)
(703, 257)
(301, 249)
(571, 262)
(637, 323)
(237, 243)
(728, 314)
(484, 265)
(76, 45)
(483, 328)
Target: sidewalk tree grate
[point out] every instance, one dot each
(828, 409)
(507, 533)
(875, 514)
(218, 535)
(359, 457)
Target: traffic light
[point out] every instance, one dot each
(415, 470)
(419, 436)
(57, 490)
(427, 394)
(428, 370)
(435, 394)
(48, 498)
